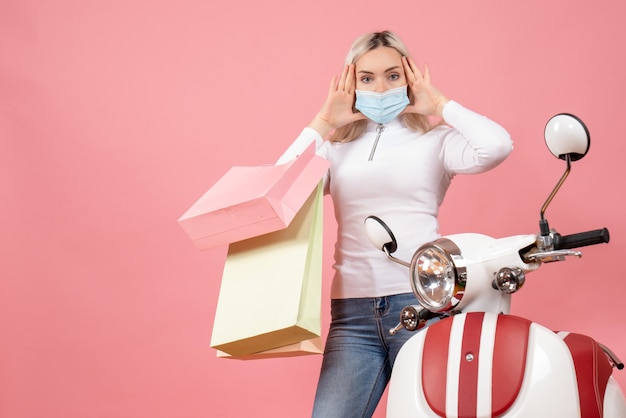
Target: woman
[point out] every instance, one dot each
(386, 160)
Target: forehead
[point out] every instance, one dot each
(379, 59)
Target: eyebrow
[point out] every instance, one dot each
(386, 71)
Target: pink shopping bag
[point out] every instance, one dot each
(250, 201)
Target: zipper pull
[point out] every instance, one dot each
(379, 130)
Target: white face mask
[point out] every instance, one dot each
(382, 107)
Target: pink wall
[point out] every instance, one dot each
(116, 115)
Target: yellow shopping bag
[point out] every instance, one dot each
(270, 295)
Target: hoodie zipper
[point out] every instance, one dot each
(379, 130)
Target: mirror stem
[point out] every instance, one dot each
(543, 223)
(397, 260)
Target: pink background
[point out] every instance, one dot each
(115, 116)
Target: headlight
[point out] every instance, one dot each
(436, 281)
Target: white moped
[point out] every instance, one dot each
(478, 360)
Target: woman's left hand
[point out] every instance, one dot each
(427, 100)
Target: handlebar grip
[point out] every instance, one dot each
(581, 239)
(425, 314)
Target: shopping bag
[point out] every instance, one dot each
(270, 294)
(250, 201)
(303, 348)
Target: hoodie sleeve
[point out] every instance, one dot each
(303, 140)
(475, 143)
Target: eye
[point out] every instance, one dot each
(366, 79)
(394, 76)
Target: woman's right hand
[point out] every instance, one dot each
(337, 109)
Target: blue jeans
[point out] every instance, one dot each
(359, 355)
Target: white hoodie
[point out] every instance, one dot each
(403, 184)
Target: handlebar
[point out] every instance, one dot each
(581, 239)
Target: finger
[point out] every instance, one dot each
(407, 110)
(342, 80)
(426, 72)
(415, 68)
(333, 84)
(350, 79)
(408, 71)
(411, 62)
(358, 116)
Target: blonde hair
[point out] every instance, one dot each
(361, 45)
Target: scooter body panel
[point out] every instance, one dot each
(490, 378)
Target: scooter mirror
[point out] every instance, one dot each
(380, 235)
(566, 134)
